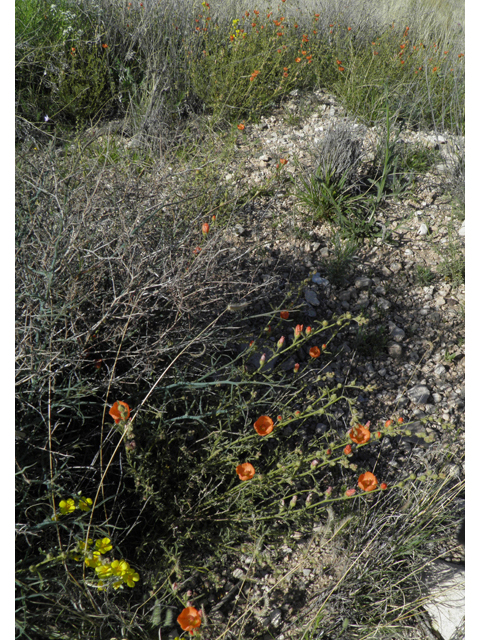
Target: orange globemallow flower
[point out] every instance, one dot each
(314, 352)
(245, 471)
(348, 450)
(350, 492)
(189, 619)
(367, 481)
(383, 486)
(116, 413)
(284, 315)
(263, 426)
(205, 228)
(105, 46)
(359, 434)
(241, 127)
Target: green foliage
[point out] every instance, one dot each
(85, 84)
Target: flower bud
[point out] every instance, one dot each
(262, 359)
(293, 502)
(314, 463)
(350, 492)
(298, 332)
(280, 342)
(205, 228)
(296, 368)
(308, 331)
(309, 499)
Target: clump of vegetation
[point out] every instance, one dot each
(173, 420)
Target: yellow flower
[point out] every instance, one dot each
(130, 577)
(103, 545)
(66, 506)
(85, 504)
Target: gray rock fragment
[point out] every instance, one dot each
(419, 394)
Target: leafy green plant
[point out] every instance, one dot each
(424, 275)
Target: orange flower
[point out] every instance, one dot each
(298, 59)
(189, 619)
(388, 423)
(461, 55)
(383, 486)
(359, 434)
(240, 127)
(434, 69)
(338, 61)
(283, 160)
(263, 426)
(285, 75)
(308, 331)
(350, 492)
(375, 53)
(279, 418)
(105, 46)
(400, 420)
(367, 481)
(324, 346)
(341, 69)
(314, 352)
(349, 28)
(245, 471)
(284, 315)
(348, 450)
(296, 368)
(205, 228)
(117, 414)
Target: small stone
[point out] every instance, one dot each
(384, 304)
(276, 617)
(423, 229)
(395, 267)
(317, 279)
(419, 394)
(437, 398)
(439, 302)
(238, 229)
(311, 297)
(238, 574)
(395, 350)
(345, 295)
(398, 334)
(363, 283)
(439, 371)
(461, 231)
(386, 271)
(324, 252)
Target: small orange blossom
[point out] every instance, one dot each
(245, 471)
(189, 619)
(116, 413)
(263, 426)
(367, 481)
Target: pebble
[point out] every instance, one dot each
(384, 304)
(317, 279)
(311, 297)
(398, 334)
(419, 394)
(363, 283)
(423, 229)
(395, 267)
(395, 350)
